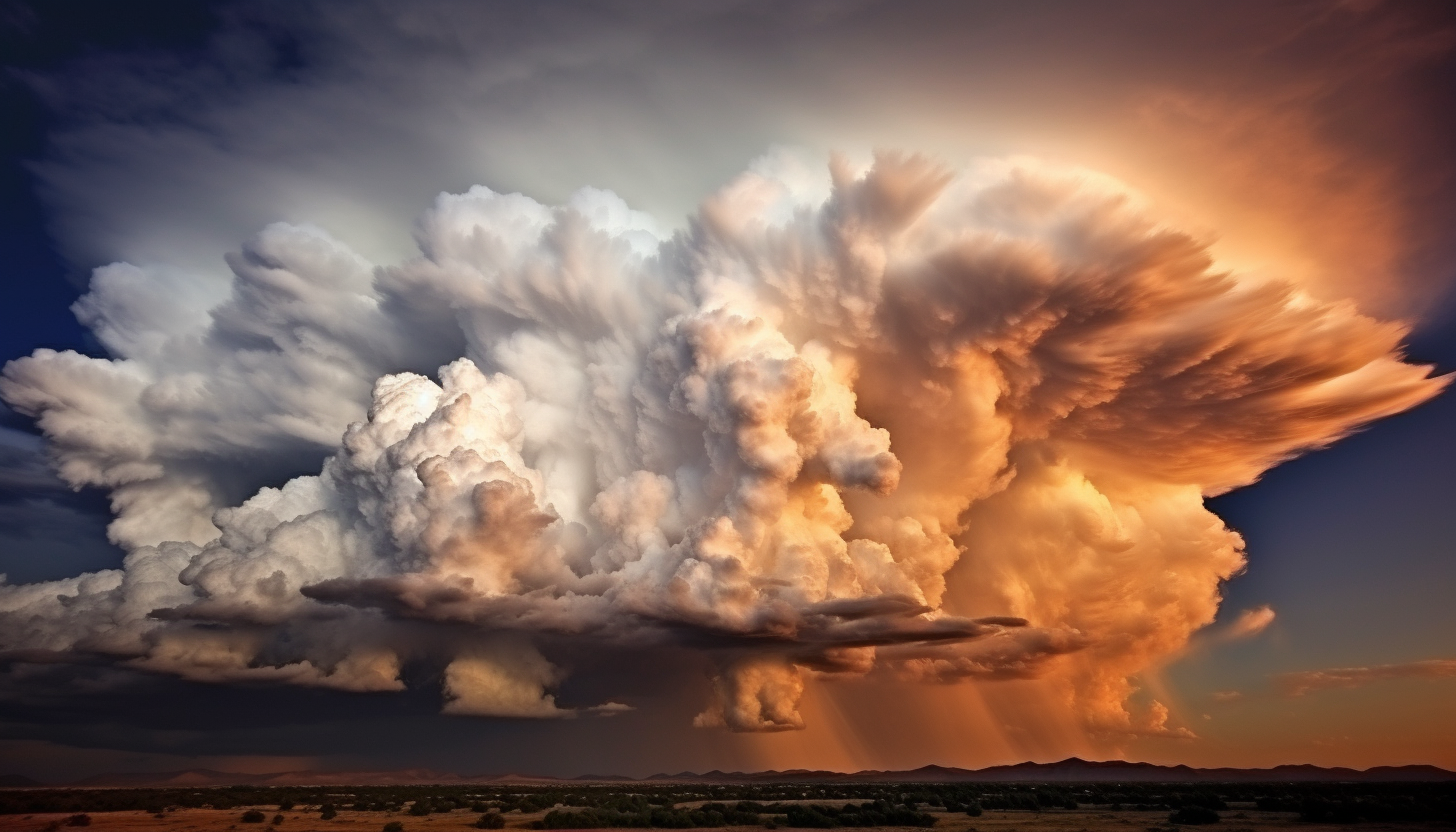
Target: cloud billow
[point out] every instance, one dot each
(940, 424)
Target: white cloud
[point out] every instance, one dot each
(946, 424)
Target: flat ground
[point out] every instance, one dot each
(1058, 820)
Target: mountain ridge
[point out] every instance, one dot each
(1070, 770)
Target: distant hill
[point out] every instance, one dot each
(1076, 770)
(1071, 770)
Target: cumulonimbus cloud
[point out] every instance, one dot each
(942, 424)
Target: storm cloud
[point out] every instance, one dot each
(862, 417)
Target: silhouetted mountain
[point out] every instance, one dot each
(17, 781)
(1070, 770)
(1076, 770)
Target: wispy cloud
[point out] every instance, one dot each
(1304, 681)
(1249, 624)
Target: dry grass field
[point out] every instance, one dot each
(1060, 820)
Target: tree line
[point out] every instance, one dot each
(662, 805)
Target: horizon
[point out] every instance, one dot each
(116, 779)
(633, 388)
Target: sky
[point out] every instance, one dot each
(605, 387)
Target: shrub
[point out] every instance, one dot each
(879, 813)
(491, 820)
(973, 809)
(277, 819)
(1194, 815)
(78, 820)
(328, 812)
(394, 826)
(253, 816)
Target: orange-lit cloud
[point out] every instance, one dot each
(1250, 623)
(889, 423)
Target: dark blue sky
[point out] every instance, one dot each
(41, 38)
(64, 535)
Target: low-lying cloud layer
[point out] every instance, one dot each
(897, 419)
(1304, 681)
